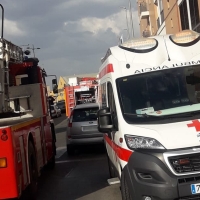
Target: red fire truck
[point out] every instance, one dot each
(27, 136)
(84, 91)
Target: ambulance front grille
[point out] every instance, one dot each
(185, 163)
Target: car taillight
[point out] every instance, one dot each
(70, 119)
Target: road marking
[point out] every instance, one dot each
(79, 160)
(113, 181)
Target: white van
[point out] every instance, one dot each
(149, 94)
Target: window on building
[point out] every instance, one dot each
(194, 13)
(172, 23)
(168, 6)
(184, 15)
(158, 22)
(148, 21)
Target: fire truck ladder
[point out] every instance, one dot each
(8, 53)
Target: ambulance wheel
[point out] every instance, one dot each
(31, 191)
(124, 188)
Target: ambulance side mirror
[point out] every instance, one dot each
(104, 120)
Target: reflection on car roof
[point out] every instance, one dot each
(86, 105)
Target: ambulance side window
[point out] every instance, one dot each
(112, 106)
(103, 95)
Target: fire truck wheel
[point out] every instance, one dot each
(124, 188)
(32, 188)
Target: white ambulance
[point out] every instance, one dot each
(149, 94)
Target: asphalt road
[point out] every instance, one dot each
(83, 176)
(58, 120)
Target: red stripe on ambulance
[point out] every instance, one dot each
(107, 69)
(123, 154)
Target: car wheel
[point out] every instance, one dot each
(124, 188)
(70, 150)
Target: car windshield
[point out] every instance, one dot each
(85, 114)
(160, 94)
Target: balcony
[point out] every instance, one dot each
(146, 33)
(143, 10)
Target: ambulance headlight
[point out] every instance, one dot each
(138, 142)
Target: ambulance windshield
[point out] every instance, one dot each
(160, 93)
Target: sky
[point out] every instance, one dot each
(73, 35)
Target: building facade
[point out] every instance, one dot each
(159, 17)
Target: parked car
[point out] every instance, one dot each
(61, 105)
(82, 127)
(55, 111)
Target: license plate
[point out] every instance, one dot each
(89, 128)
(195, 188)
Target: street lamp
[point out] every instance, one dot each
(33, 48)
(2, 23)
(127, 22)
(131, 17)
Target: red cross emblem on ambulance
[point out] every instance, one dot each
(196, 124)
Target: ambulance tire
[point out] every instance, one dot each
(31, 191)
(124, 188)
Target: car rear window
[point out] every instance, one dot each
(85, 114)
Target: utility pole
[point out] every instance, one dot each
(127, 22)
(131, 17)
(33, 49)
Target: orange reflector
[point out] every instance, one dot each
(3, 162)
